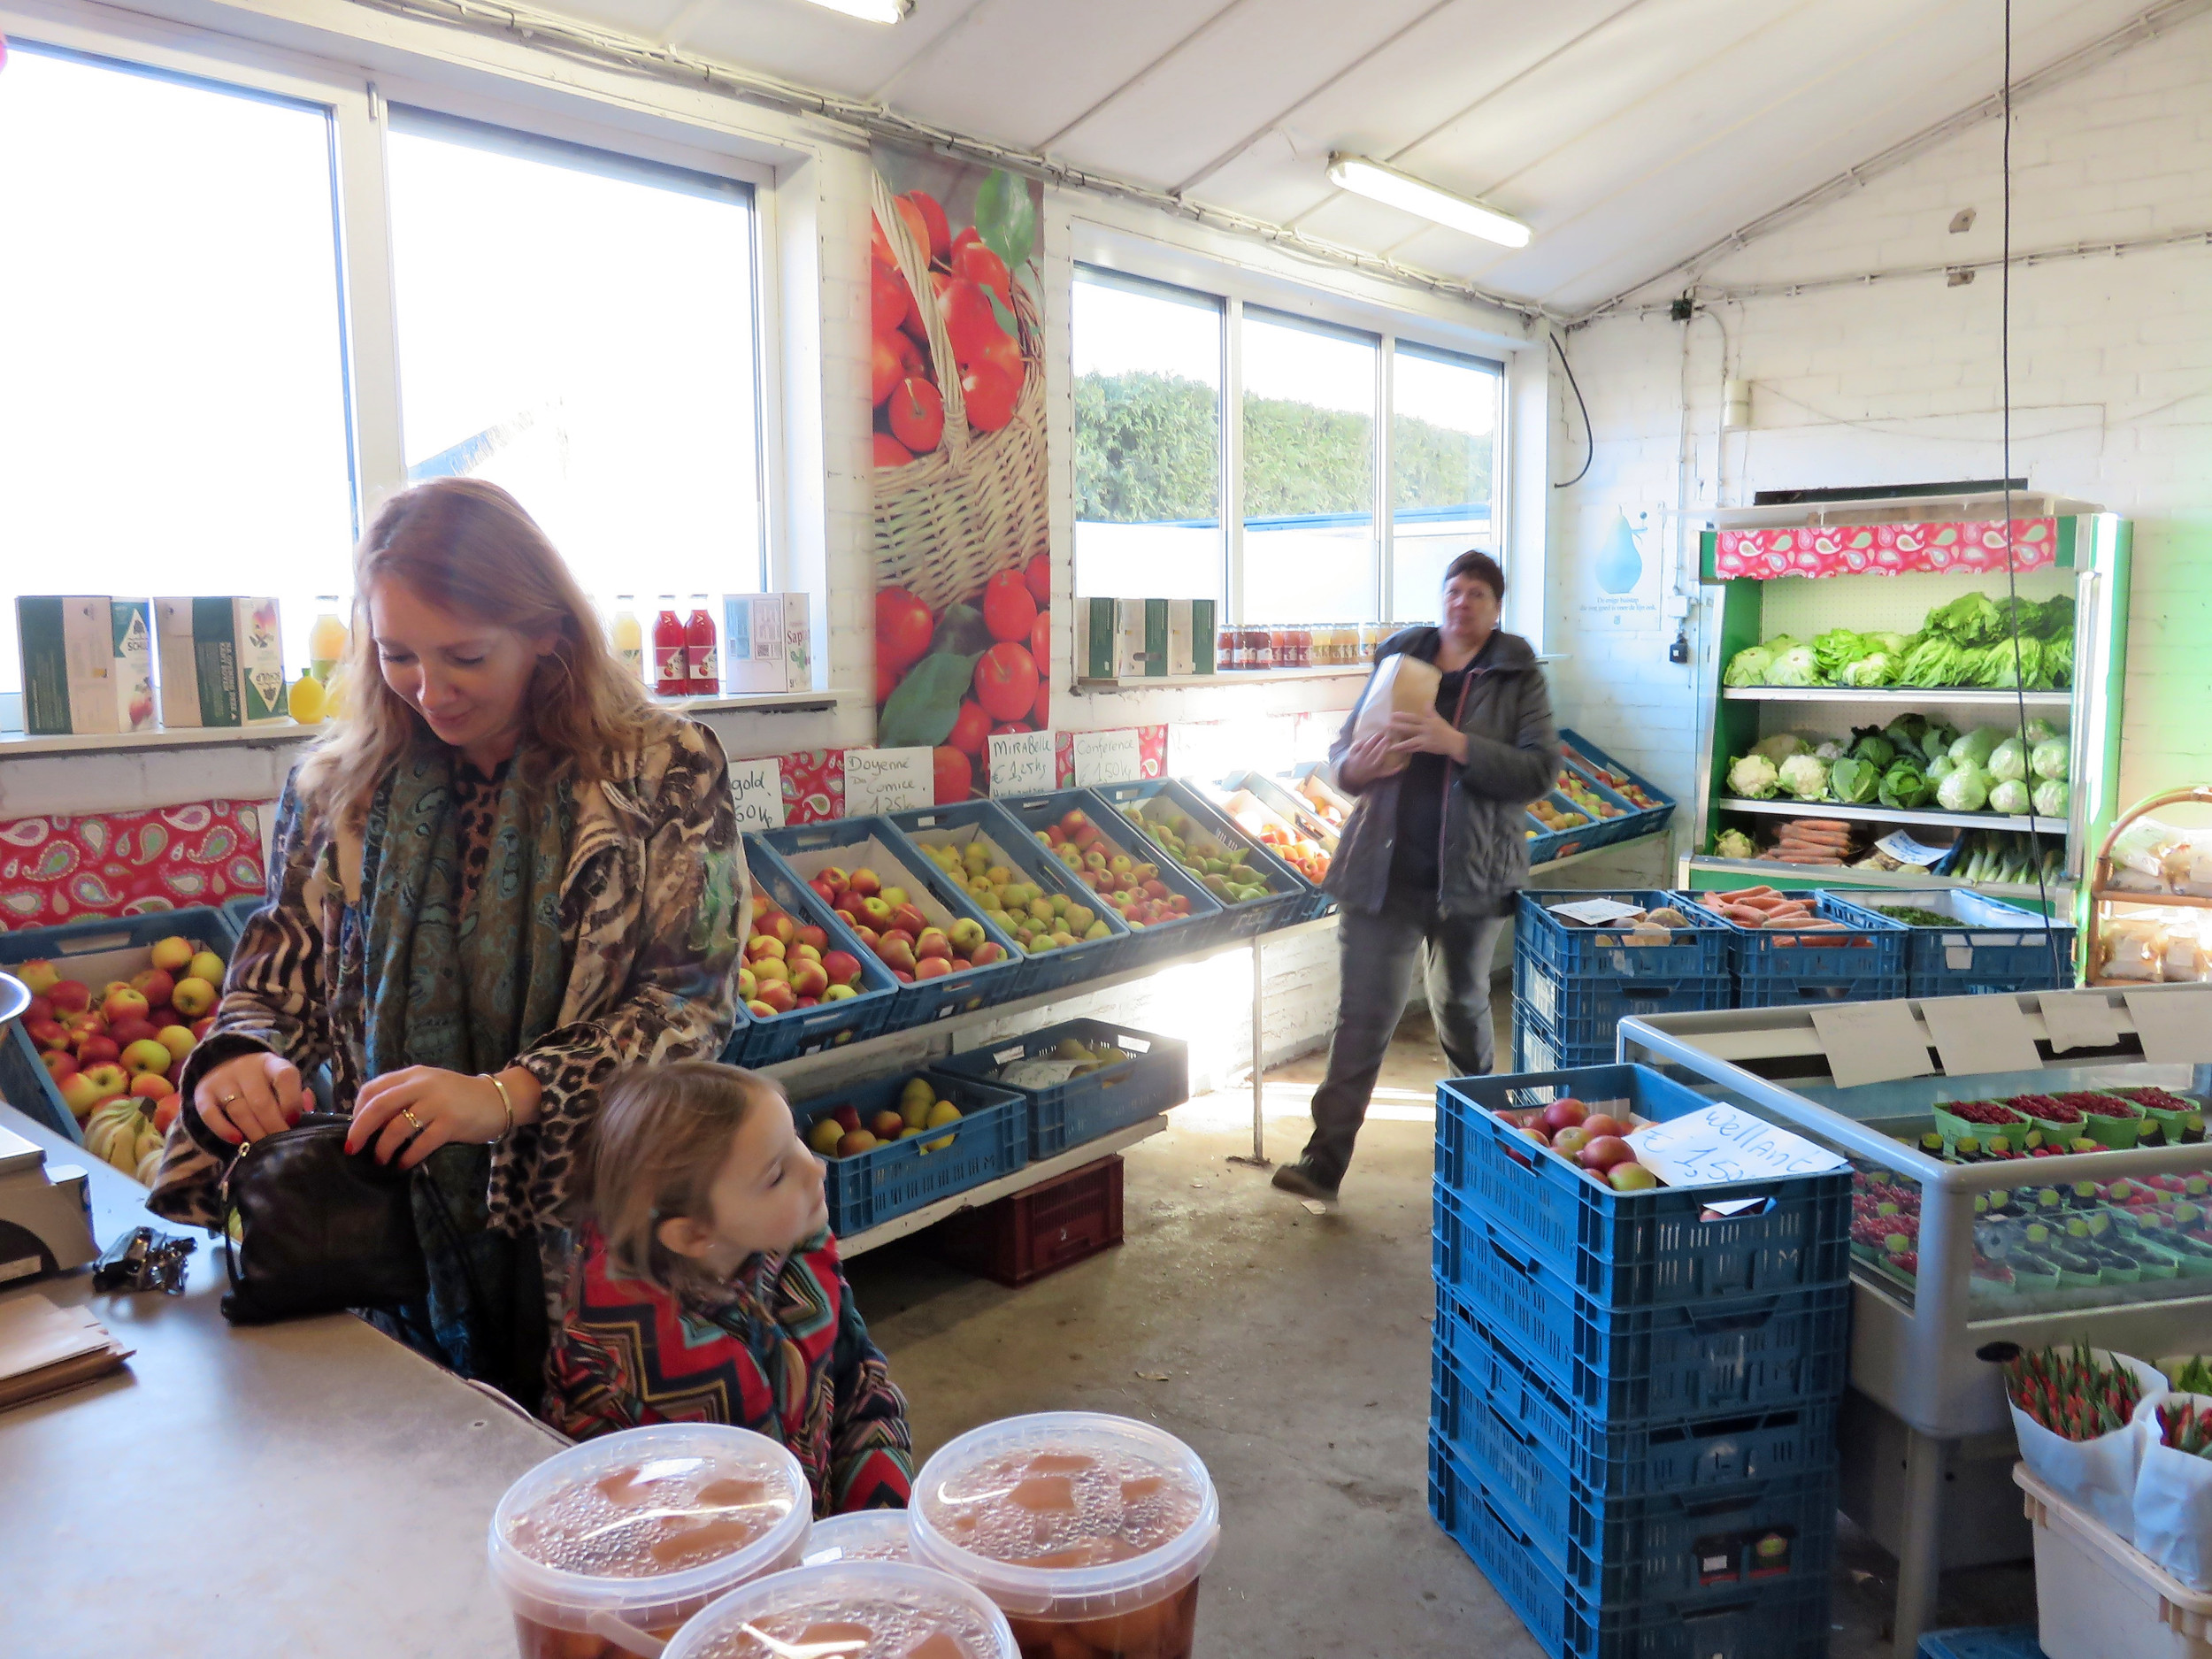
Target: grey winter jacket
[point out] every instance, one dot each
(1512, 756)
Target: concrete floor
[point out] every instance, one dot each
(1291, 1350)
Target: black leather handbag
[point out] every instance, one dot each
(311, 1228)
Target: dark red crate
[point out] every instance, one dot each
(1056, 1224)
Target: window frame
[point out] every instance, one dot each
(1117, 258)
(357, 98)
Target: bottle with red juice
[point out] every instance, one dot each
(702, 661)
(672, 674)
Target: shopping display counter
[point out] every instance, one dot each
(311, 1487)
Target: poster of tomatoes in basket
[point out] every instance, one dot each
(963, 578)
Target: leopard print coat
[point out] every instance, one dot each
(654, 906)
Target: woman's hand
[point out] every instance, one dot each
(1427, 733)
(1364, 761)
(428, 1108)
(253, 1095)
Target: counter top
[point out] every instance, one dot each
(299, 1489)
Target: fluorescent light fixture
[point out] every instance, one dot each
(1397, 189)
(869, 10)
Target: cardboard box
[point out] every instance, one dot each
(131, 628)
(68, 650)
(767, 645)
(1094, 638)
(1144, 638)
(222, 661)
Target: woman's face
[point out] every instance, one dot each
(466, 679)
(1470, 610)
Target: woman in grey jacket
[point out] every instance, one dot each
(1432, 853)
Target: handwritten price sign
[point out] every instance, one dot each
(757, 793)
(1719, 1144)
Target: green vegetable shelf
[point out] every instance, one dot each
(1890, 618)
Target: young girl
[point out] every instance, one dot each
(707, 1287)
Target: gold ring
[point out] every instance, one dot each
(408, 1112)
(227, 1099)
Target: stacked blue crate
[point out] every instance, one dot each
(1572, 984)
(1633, 1410)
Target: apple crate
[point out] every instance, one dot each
(1538, 1048)
(1084, 1108)
(1012, 845)
(1289, 898)
(872, 843)
(1588, 757)
(757, 1042)
(95, 950)
(1299, 812)
(1638, 1364)
(1633, 1249)
(1158, 940)
(1019, 1238)
(1784, 1617)
(869, 1188)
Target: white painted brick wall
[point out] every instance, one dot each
(2112, 364)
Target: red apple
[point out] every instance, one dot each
(932, 967)
(60, 1063)
(151, 1086)
(897, 954)
(879, 914)
(193, 997)
(1537, 1135)
(763, 947)
(1564, 1114)
(887, 1126)
(986, 953)
(909, 918)
(825, 891)
(834, 875)
(201, 1027)
(932, 942)
(1603, 1152)
(166, 1111)
(1568, 1143)
(154, 985)
(779, 995)
(771, 971)
(39, 1007)
(865, 882)
(777, 925)
(847, 1115)
(94, 1050)
(808, 980)
(122, 1002)
(50, 1035)
(898, 935)
(759, 1010)
(902, 976)
(855, 1143)
(817, 937)
(146, 1054)
(1600, 1124)
(1630, 1178)
(80, 1094)
(170, 955)
(843, 967)
(867, 936)
(68, 997)
(128, 1032)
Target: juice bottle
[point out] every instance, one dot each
(704, 663)
(672, 675)
(629, 637)
(327, 640)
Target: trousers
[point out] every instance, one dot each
(1377, 952)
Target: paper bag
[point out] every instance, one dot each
(2098, 1475)
(2173, 1498)
(1401, 685)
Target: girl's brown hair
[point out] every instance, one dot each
(661, 1137)
(466, 546)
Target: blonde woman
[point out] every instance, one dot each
(500, 878)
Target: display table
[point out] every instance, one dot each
(297, 1489)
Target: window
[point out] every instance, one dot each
(578, 329)
(1148, 440)
(1315, 473)
(173, 400)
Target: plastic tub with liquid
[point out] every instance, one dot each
(849, 1609)
(606, 1549)
(1089, 1531)
(864, 1535)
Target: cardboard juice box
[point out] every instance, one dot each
(68, 650)
(131, 628)
(222, 661)
(766, 643)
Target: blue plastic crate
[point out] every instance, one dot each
(1202, 927)
(1638, 1364)
(1573, 952)
(1589, 757)
(23, 1080)
(1548, 845)
(1783, 990)
(1582, 1012)
(1537, 1047)
(1289, 898)
(1633, 1249)
(1869, 947)
(759, 1042)
(240, 911)
(1779, 1618)
(1084, 1108)
(1487, 1395)
(869, 1188)
(874, 843)
(1991, 946)
(1626, 822)
(1292, 811)
(1016, 848)
(2013, 1642)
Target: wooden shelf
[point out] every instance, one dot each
(1972, 697)
(2186, 901)
(1891, 815)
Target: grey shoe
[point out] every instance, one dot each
(1303, 1179)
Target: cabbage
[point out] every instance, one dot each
(1797, 666)
(1837, 646)
(1874, 747)
(1935, 661)
(1853, 781)
(1905, 787)
(2008, 762)
(1895, 644)
(1975, 745)
(2052, 798)
(2040, 730)
(1781, 746)
(1935, 744)
(1964, 791)
(1806, 776)
(2054, 621)
(1941, 767)
(1753, 776)
(2009, 797)
(1734, 844)
(1748, 667)
(2049, 758)
(1905, 732)
(1877, 669)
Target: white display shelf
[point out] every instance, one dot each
(1979, 697)
(2054, 826)
(2060, 893)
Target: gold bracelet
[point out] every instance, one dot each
(504, 1101)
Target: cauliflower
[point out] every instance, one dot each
(1754, 777)
(1781, 746)
(1734, 844)
(1806, 776)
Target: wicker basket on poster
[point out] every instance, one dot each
(949, 521)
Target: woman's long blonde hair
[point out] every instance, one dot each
(466, 546)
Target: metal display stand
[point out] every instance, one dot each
(1916, 1350)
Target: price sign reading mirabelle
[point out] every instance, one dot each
(1022, 762)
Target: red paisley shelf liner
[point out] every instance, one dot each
(1859, 550)
(124, 864)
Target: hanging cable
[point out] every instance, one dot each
(1589, 440)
